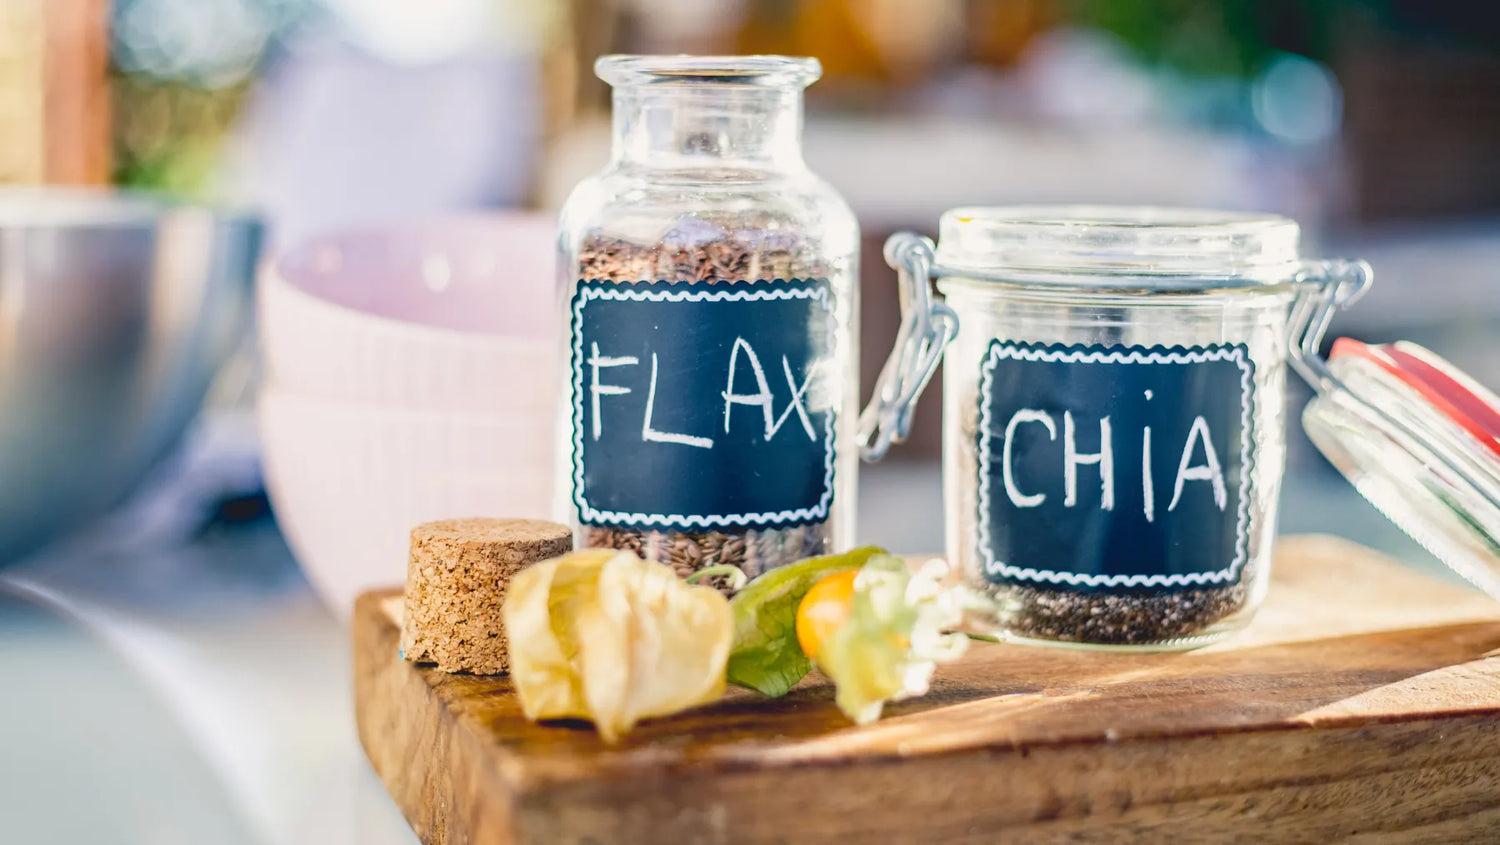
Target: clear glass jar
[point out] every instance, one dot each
(1114, 412)
(709, 279)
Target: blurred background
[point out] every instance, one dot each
(178, 668)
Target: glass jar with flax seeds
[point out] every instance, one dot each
(709, 285)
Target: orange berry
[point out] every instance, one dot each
(825, 607)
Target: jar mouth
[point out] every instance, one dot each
(748, 71)
(1074, 242)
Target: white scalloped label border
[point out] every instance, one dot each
(590, 515)
(1009, 350)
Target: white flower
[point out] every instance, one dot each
(894, 636)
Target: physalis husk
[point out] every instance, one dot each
(605, 636)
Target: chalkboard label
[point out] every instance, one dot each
(703, 406)
(1115, 468)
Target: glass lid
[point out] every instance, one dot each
(1151, 247)
(1421, 441)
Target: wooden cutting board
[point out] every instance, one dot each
(1363, 703)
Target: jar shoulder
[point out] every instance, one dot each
(634, 206)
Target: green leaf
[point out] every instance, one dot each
(766, 656)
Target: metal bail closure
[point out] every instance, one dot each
(1325, 286)
(927, 326)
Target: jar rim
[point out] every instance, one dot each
(1067, 243)
(761, 71)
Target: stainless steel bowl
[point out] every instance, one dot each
(115, 314)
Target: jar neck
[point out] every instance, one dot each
(708, 125)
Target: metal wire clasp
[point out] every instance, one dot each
(927, 326)
(1325, 286)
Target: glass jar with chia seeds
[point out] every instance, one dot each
(1114, 405)
(709, 284)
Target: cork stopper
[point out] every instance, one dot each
(456, 578)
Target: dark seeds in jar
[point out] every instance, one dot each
(701, 252)
(1127, 617)
(1117, 618)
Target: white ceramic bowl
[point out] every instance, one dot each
(451, 315)
(349, 481)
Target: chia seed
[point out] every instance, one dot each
(1116, 618)
(1047, 612)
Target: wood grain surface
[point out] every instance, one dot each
(1362, 704)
